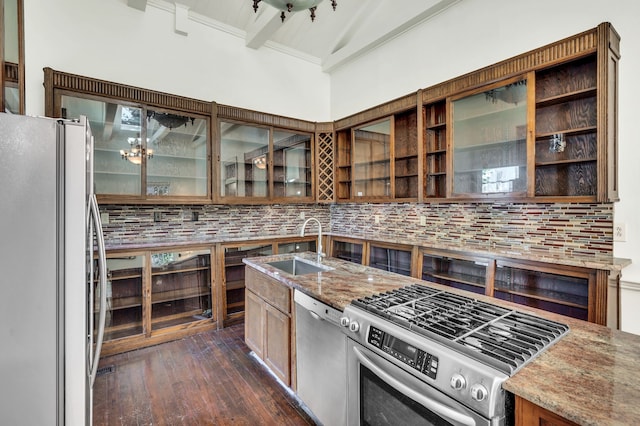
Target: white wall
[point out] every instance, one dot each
(474, 34)
(108, 40)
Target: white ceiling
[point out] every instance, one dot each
(355, 27)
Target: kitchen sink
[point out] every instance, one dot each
(299, 266)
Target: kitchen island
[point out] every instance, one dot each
(589, 377)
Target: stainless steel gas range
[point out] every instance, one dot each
(417, 355)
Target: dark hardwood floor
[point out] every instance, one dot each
(206, 379)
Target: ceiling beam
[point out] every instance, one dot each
(137, 4)
(263, 27)
(361, 45)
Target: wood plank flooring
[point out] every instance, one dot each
(206, 379)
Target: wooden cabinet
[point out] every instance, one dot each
(471, 273)
(231, 271)
(264, 163)
(233, 277)
(379, 160)
(268, 330)
(154, 297)
(564, 290)
(435, 119)
(567, 129)
(392, 258)
(347, 249)
(530, 414)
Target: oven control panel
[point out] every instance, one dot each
(416, 358)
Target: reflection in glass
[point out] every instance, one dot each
(244, 156)
(489, 140)
(291, 164)
(113, 126)
(10, 58)
(179, 147)
(124, 297)
(180, 288)
(372, 154)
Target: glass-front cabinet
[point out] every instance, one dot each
(124, 310)
(372, 160)
(12, 56)
(142, 152)
(180, 287)
(264, 163)
(489, 134)
(459, 271)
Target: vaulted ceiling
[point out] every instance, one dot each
(334, 38)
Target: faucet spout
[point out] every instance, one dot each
(319, 245)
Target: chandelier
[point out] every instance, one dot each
(137, 151)
(294, 6)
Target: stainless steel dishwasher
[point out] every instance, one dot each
(321, 349)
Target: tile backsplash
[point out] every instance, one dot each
(567, 229)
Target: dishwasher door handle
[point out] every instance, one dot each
(315, 316)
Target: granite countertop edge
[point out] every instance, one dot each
(594, 262)
(590, 376)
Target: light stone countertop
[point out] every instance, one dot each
(591, 376)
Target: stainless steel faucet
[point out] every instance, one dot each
(319, 245)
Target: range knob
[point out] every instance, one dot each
(458, 382)
(344, 321)
(354, 326)
(479, 392)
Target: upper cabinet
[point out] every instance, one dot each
(12, 56)
(379, 160)
(148, 147)
(264, 158)
(489, 141)
(540, 127)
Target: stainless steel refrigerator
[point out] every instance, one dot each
(49, 226)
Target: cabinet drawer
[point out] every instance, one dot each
(272, 291)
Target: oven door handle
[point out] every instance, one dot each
(438, 408)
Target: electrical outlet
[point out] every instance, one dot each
(620, 232)
(301, 215)
(423, 221)
(157, 216)
(376, 218)
(104, 218)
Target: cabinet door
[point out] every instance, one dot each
(180, 288)
(530, 414)
(277, 347)
(489, 138)
(254, 323)
(465, 274)
(391, 259)
(124, 296)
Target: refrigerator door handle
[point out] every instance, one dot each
(102, 273)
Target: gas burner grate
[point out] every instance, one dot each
(498, 336)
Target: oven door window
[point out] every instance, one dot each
(380, 404)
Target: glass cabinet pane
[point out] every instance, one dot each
(118, 152)
(348, 251)
(234, 276)
(10, 55)
(291, 164)
(463, 274)
(562, 294)
(180, 288)
(372, 160)
(297, 247)
(489, 141)
(124, 297)
(244, 156)
(177, 155)
(392, 260)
